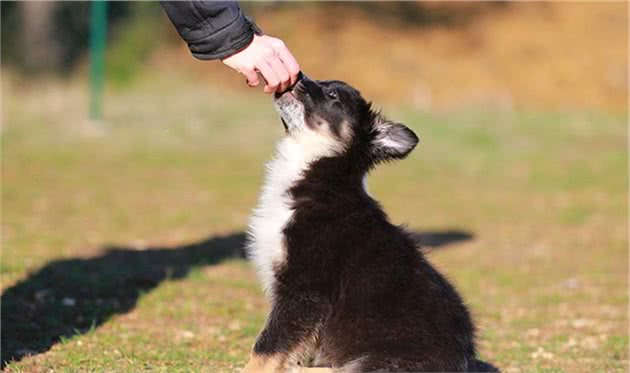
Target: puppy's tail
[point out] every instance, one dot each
(481, 366)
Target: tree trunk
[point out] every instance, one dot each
(39, 47)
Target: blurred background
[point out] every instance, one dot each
(431, 55)
(124, 209)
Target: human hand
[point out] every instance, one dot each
(271, 58)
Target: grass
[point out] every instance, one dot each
(121, 239)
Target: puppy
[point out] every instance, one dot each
(349, 290)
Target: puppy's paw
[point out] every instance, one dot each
(314, 370)
(263, 364)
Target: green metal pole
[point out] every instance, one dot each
(98, 33)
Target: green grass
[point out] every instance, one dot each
(176, 163)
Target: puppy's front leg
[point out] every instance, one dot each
(291, 326)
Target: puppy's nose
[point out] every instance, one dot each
(302, 77)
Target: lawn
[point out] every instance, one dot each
(121, 240)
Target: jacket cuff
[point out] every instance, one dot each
(233, 38)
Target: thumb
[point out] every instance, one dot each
(252, 77)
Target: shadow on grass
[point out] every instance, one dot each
(72, 296)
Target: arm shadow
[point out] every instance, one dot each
(431, 240)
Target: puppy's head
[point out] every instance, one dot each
(335, 112)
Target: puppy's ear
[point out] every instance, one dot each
(391, 140)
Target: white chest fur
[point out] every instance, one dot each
(267, 242)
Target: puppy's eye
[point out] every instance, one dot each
(332, 94)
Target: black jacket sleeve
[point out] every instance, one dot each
(212, 29)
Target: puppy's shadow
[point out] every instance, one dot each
(67, 297)
(71, 296)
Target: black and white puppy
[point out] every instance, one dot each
(349, 290)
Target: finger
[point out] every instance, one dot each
(289, 61)
(251, 76)
(271, 80)
(281, 72)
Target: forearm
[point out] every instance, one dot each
(212, 29)
(220, 30)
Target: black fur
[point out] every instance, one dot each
(352, 280)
